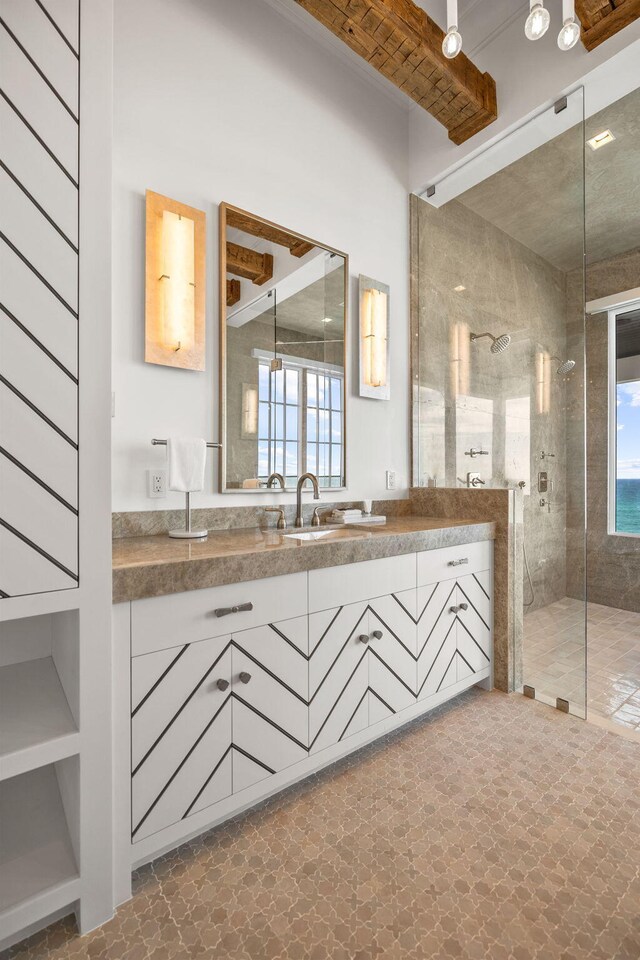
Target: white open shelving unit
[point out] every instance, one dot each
(55, 504)
(35, 718)
(39, 769)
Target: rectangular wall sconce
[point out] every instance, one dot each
(249, 428)
(175, 284)
(374, 339)
(543, 382)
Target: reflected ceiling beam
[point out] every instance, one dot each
(266, 231)
(405, 46)
(602, 19)
(249, 264)
(233, 292)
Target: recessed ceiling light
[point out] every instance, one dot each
(459, 288)
(601, 139)
(328, 320)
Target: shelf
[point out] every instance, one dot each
(36, 724)
(38, 871)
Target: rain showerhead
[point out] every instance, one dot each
(499, 343)
(566, 366)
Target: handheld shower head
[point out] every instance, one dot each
(566, 366)
(499, 343)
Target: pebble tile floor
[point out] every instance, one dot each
(554, 658)
(494, 828)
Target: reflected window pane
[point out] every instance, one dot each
(336, 427)
(292, 378)
(279, 386)
(263, 458)
(292, 460)
(263, 381)
(279, 457)
(312, 425)
(279, 431)
(321, 391)
(336, 399)
(312, 463)
(292, 423)
(263, 421)
(312, 389)
(335, 460)
(323, 426)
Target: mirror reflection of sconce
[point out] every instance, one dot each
(374, 339)
(175, 284)
(543, 381)
(249, 424)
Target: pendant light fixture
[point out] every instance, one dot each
(537, 22)
(452, 43)
(570, 30)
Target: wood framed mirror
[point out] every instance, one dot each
(283, 332)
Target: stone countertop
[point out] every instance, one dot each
(158, 565)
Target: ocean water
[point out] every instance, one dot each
(628, 506)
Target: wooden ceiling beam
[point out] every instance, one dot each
(601, 20)
(246, 223)
(249, 264)
(405, 46)
(233, 292)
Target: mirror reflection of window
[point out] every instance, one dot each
(300, 424)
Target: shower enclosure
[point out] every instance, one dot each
(526, 393)
(499, 378)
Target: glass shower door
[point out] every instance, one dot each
(500, 377)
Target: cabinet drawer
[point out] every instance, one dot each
(162, 622)
(337, 586)
(451, 562)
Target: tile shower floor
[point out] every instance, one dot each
(493, 829)
(554, 658)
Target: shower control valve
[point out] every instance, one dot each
(474, 480)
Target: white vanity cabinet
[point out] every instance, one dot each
(454, 622)
(362, 666)
(239, 690)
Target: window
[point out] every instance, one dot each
(300, 423)
(624, 433)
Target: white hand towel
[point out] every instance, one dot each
(187, 458)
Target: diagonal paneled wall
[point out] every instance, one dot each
(39, 260)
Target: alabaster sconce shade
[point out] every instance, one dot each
(374, 339)
(175, 284)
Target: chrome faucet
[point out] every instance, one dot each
(275, 478)
(316, 495)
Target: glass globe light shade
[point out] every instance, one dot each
(452, 44)
(569, 35)
(537, 23)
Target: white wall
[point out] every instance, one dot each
(218, 100)
(529, 77)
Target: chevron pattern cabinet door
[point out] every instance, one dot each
(39, 251)
(271, 710)
(392, 656)
(338, 674)
(436, 638)
(473, 632)
(180, 733)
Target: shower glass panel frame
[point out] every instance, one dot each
(499, 250)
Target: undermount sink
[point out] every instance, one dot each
(324, 535)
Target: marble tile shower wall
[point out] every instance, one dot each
(469, 276)
(613, 563)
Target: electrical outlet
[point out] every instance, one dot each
(156, 483)
(391, 479)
